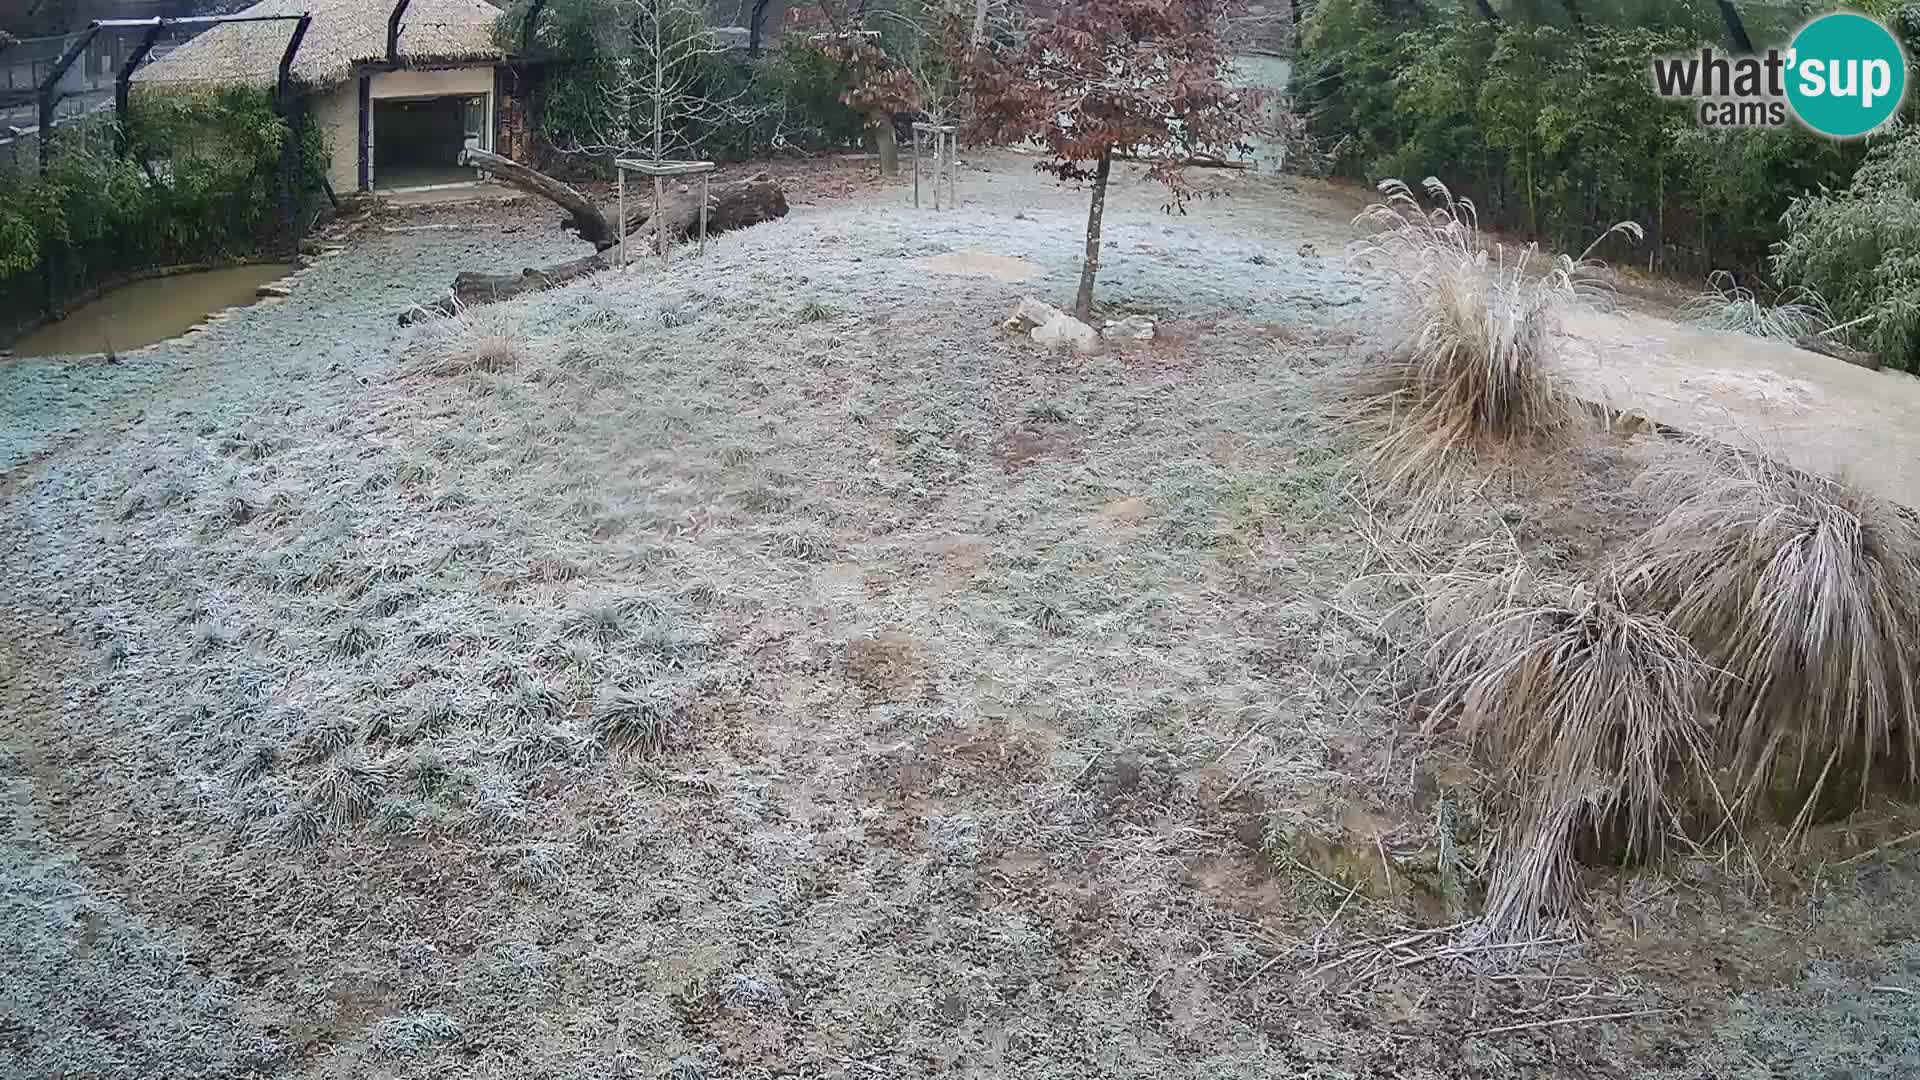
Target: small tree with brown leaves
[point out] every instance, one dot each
(1142, 77)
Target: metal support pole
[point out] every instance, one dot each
(532, 24)
(953, 170)
(47, 97)
(393, 30)
(283, 85)
(620, 173)
(290, 146)
(916, 166)
(705, 188)
(123, 84)
(365, 148)
(50, 254)
(939, 143)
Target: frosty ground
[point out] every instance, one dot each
(770, 667)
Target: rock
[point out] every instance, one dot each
(273, 291)
(1052, 327)
(1307, 250)
(1131, 328)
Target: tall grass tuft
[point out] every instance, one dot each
(1591, 713)
(1469, 370)
(1806, 592)
(1734, 308)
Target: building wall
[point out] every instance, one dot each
(513, 112)
(466, 81)
(337, 113)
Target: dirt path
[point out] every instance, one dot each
(1816, 412)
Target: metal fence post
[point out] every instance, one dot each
(123, 85)
(290, 145)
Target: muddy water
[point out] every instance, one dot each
(148, 311)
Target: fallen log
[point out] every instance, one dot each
(1857, 358)
(583, 217)
(733, 205)
(471, 289)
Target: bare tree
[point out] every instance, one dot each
(658, 95)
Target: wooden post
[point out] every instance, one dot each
(916, 166)
(659, 170)
(620, 171)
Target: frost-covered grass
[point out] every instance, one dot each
(769, 667)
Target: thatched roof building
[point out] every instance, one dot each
(344, 35)
(389, 122)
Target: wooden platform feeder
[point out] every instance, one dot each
(945, 141)
(660, 170)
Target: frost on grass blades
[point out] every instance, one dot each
(1469, 371)
(1727, 305)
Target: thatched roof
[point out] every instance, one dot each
(343, 33)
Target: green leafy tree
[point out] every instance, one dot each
(1860, 250)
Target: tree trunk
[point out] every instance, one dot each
(979, 22)
(885, 143)
(473, 289)
(1573, 16)
(733, 205)
(583, 217)
(1736, 29)
(1083, 304)
(756, 25)
(1487, 13)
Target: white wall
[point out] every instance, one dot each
(464, 81)
(337, 111)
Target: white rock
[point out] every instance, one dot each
(1068, 332)
(1052, 327)
(1131, 328)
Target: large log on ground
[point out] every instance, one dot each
(1812, 343)
(582, 216)
(471, 289)
(733, 205)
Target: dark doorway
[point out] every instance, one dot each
(417, 141)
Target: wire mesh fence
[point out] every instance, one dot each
(86, 201)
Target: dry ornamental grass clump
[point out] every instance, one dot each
(1469, 371)
(1806, 592)
(1592, 711)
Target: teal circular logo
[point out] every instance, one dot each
(1846, 75)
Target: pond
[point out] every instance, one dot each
(149, 311)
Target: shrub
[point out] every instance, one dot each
(1806, 593)
(200, 181)
(1469, 369)
(1590, 710)
(1734, 308)
(1554, 126)
(1860, 248)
